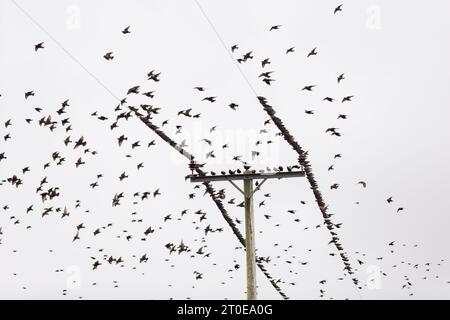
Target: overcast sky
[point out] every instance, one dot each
(395, 59)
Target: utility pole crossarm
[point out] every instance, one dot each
(246, 176)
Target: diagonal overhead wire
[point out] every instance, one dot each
(225, 47)
(303, 161)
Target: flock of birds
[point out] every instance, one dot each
(50, 196)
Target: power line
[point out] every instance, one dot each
(225, 47)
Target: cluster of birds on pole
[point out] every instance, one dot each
(80, 152)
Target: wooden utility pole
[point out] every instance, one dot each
(248, 176)
(250, 238)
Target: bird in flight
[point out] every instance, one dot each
(134, 90)
(38, 46)
(108, 56)
(338, 9)
(126, 30)
(267, 77)
(363, 183)
(248, 55)
(275, 27)
(333, 132)
(313, 52)
(210, 99)
(348, 98)
(233, 106)
(265, 62)
(153, 76)
(308, 88)
(265, 74)
(29, 94)
(290, 50)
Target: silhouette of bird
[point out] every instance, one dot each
(134, 90)
(233, 106)
(348, 98)
(290, 50)
(29, 94)
(338, 9)
(308, 88)
(248, 55)
(313, 52)
(108, 56)
(275, 27)
(126, 30)
(210, 99)
(265, 62)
